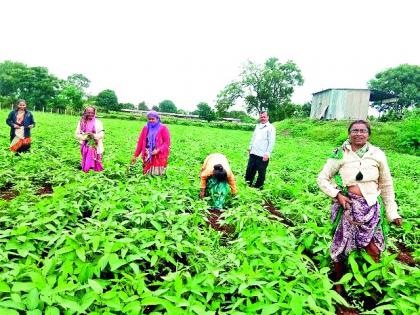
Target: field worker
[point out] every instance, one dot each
(215, 176)
(21, 121)
(260, 149)
(358, 179)
(90, 133)
(153, 146)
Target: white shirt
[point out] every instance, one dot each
(98, 135)
(263, 140)
(376, 180)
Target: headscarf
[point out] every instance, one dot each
(88, 125)
(152, 130)
(360, 152)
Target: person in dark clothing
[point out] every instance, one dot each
(21, 121)
(260, 148)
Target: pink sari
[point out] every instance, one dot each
(90, 157)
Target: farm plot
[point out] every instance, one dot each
(117, 242)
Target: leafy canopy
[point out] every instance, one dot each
(107, 99)
(266, 87)
(403, 81)
(204, 111)
(167, 106)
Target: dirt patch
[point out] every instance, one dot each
(276, 212)
(404, 255)
(213, 220)
(45, 189)
(342, 310)
(7, 192)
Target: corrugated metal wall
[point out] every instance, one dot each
(340, 104)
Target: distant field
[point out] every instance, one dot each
(120, 243)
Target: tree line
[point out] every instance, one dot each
(260, 87)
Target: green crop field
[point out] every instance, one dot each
(120, 243)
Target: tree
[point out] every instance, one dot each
(204, 111)
(107, 99)
(155, 108)
(142, 106)
(34, 84)
(126, 105)
(79, 80)
(404, 82)
(70, 97)
(302, 111)
(167, 106)
(265, 87)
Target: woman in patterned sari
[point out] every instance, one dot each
(358, 179)
(153, 146)
(90, 133)
(21, 122)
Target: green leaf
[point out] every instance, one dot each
(23, 286)
(96, 287)
(80, 252)
(386, 307)
(7, 311)
(376, 285)
(353, 263)
(52, 310)
(153, 260)
(4, 287)
(360, 279)
(270, 309)
(346, 278)
(115, 262)
(32, 300)
(296, 304)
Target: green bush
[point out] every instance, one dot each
(400, 136)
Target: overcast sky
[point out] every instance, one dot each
(187, 51)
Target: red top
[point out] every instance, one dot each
(163, 142)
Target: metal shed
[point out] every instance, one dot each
(343, 104)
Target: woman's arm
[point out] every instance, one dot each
(100, 132)
(142, 139)
(385, 184)
(79, 134)
(324, 178)
(166, 139)
(10, 121)
(31, 120)
(232, 183)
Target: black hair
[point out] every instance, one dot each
(219, 173)
(360, 121)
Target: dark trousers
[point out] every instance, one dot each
(256, 164)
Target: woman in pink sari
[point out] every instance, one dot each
(90, 133)
(153, 146)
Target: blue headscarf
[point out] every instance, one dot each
(152, 130)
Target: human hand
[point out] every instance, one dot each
(398, 222)
(155, 151)
(202, 193)
(343, 201)
(265, 157)
(16, 126)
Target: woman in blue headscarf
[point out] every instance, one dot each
(153, 146)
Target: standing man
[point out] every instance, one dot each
(260, 148)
